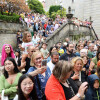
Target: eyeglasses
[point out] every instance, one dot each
(29, 84)
(39, 58)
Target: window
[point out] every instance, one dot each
(73, 11)
(73, 1)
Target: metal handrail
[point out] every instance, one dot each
(94, 33)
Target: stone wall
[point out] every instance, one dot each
(8, 33)
(68, 30)
(81, 9)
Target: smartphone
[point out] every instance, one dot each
(44, 63)
(86, 88)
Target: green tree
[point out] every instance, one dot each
(61, 12)
(47, 13)
(54, 8)
(36, 6)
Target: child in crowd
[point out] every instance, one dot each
(93, 92)
(44, 50)
(26, 41)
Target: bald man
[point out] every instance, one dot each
(25, 61)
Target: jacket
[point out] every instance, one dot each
(92, 93)
(54, 90)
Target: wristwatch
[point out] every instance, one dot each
(78, 95)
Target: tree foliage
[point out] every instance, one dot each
(54, 8)
(56, 11)
(36, 6)
(13, 6)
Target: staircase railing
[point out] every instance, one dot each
(94, 33)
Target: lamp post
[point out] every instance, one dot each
(69, 15)
(90, 19)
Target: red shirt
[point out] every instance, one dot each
(45, 25)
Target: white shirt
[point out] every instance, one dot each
(35, 40)
(56, 26)
(25, 45)
(51, 66)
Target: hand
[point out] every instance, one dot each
(84, 69)
(20, 45)
(23, 64)
(82, 88)
(75, 76)
(42, 69)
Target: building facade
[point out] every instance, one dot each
(82, 9)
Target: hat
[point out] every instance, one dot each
(61, 51)
(98, 63)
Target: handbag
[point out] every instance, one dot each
(3, 97)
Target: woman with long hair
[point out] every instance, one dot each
(79, 74)
(40, 78)
(58, 86)
(26, 88)
(93, 63)
(7, 51)
(9, 80)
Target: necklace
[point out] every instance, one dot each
(71, 88)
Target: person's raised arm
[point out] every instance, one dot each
(81, 91)
(37, 71)
(20, 46)
(91, 65)
(23, 62)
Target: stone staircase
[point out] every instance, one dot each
(69, 30)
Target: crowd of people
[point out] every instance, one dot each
(68, 71)
(79, 22)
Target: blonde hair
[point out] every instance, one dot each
(75, 59)
(61, 69)
(25, 36)
(33, 57)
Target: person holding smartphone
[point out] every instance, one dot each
(42, 73)
(58, 86)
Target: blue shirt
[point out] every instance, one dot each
(42, 81)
